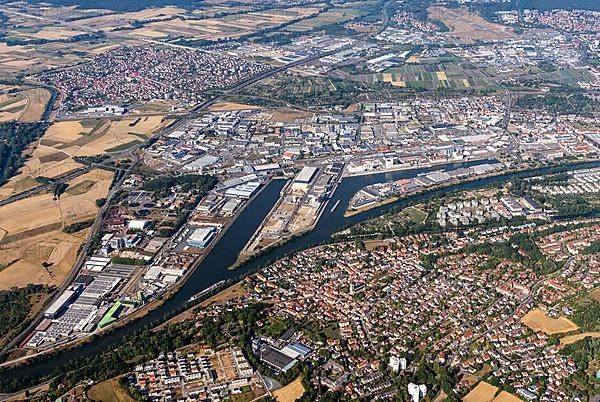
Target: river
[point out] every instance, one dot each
(214, 267)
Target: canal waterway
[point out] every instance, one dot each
(215, 267)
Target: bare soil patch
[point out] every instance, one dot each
(538, 320)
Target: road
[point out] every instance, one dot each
(507, 108)
(76, 267)
(385, 17)
(534, 289)
(173, 127)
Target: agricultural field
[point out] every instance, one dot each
(565, 77)
(483, 392)
(538, 320)
(41, 43)
(109, 391)
(110, 21)
(20, 60)
(468, 26)
(431, 77)
(12, 106)
(228, 106)
(52, 156)
(22, 26)
(334, 16)
(289, 90)
(569, 339)
(290, 392)
(232, 26)
(33, 246)
(507, 397)
(37, 100)
(26, 106)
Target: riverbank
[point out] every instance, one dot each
(427, 165)
(222, 297)
(144, 309)
(246, 255)
(451, 183)
(351, 212)
(215, 266)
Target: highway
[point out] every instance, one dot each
(130, 152)
(385, 18)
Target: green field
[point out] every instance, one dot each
(415, 214)
(124, 147)
(432, 77)
(335, 16)
(566, 77)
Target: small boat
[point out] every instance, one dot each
(205, 291)
(335, 205)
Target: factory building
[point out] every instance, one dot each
(59, 305)
(304, 178)
(202, 236)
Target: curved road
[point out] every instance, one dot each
(172, 127)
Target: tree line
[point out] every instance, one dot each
(14, 138)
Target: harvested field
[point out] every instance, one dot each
(56, 249)
(291, 392)
(37, 99)
(109, 391)
(53, 155)
(81, 188)
(483, 392)
(506, 397)
(34, 212)
(43, 161)
(12, 106)
(111, 135)
(334, 16)
(48, 32)
(569, 339)
(227, 106)
(108, 22)
(289, 115)
(537, 320)
(33, 245)
(469, 26)
(224, 27)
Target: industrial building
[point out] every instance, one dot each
(201, 237)
(138, 224)
(59, 305)
(304, 178)
(245, 190)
